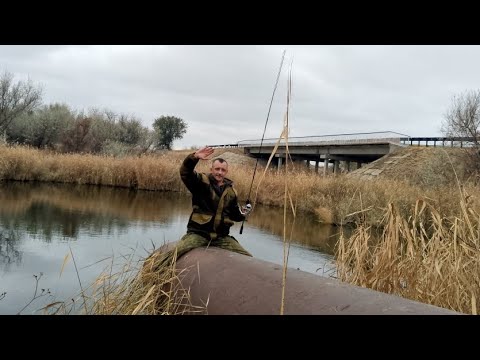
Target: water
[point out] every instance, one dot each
(42, 224)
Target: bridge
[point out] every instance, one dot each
(353, 149)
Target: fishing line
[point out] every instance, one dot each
(248, 203)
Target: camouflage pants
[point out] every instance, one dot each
(191, 241)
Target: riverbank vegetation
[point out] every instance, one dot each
(137, 286)
(334, 199)
(427, 256)
(416, 239)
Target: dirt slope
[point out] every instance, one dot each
(419, 165)
(234, 156)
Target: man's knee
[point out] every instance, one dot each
(193, 239)
(232, 244)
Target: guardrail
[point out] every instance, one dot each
(330, 139)
(360, 138)
(445, 141)
(224, 146)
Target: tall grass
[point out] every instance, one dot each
(147, 172)
(137, 287)
(428, 248)
(334, 199)
(427, 256)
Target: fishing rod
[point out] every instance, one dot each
(248, 204)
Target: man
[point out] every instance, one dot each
(215, 207)
(215, 204)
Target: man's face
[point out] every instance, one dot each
(219, 171)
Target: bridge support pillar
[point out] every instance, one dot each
(359, 164)
(279, 163)
(336, 167)
(325, 168)
(347, 163)
(316, 166)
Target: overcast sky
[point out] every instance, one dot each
(223, 92)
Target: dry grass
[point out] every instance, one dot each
(335, 199)
(324, 215)
(342, 199)
(428, 250)
(137, 288)
(425, 257)
(425, 167)
(149, 172)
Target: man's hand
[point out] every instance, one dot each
(204, 153)
(245, 210)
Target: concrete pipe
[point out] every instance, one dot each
(236, 284)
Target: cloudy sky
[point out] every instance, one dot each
(223, 92)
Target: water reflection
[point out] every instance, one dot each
(41, 223)
(305, 230)
(9, 253)
(52, 210)
(47, 210)
(16, 198)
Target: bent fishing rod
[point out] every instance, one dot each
(248, 203)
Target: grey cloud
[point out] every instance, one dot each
(223, 92)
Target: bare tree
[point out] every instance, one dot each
(16, 98)
(462, 119)
(79, 137)
(147, 139)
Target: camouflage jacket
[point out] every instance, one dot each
(212, 215)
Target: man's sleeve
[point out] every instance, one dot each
(235, 213)
(189, 176)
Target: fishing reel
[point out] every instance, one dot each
(246, 209)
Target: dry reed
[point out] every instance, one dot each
(425, 257)
(335, 199)
(141, 287)
(428, 251)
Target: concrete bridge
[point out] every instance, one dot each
(353, 149)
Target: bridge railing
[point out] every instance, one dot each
(224, 146)
(341, 139)
(442, 141)
(359, 138)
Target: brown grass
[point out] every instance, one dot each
(149, 172)
(425, 257)
(335, 199)
(428, 250)
(138, 288)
